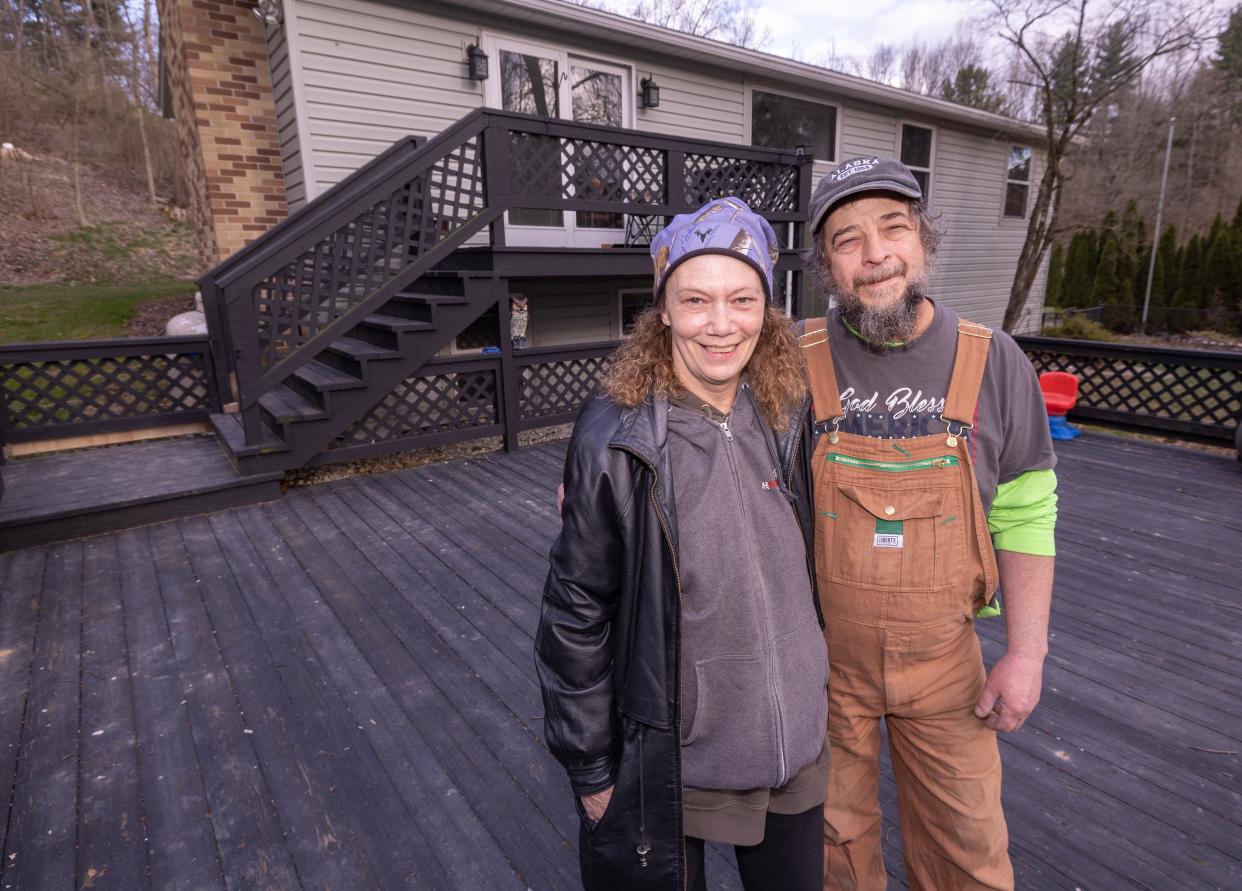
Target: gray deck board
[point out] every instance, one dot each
(337, 690)
(67, 495)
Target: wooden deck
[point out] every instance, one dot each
(65, 495)
(336, 690)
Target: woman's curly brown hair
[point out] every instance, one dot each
(642, 367)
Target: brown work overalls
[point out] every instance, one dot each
(904, 560)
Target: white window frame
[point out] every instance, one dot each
(931, 158)
(1030, 176)
(749, 128)
(492, 44)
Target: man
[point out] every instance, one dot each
(930, 444)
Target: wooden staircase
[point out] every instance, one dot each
(315, 323)
(324, 315)
(324, 396)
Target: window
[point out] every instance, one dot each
(530, 84)
(916, 153)
(785, 122)
(632, 302)
(1017, 181)
(596, 93)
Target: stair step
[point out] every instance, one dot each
(321, 377)
(417, 297)
(359, 350)
(284, 404)
(396, 323)
(229, 429)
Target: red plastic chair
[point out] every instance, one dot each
(1060, 389)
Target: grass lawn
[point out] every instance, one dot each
(35, 313)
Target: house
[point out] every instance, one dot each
(285, 106)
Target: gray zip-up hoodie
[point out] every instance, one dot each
(754, 666)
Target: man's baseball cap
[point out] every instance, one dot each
(724, 226)
(871, 174)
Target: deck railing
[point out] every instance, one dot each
(53, 390)
(1186, 391)
(458, 398)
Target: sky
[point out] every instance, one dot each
(815, 31)
(820, 32)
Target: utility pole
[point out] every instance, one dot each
(1155, 239)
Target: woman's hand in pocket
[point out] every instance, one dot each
(596, 803)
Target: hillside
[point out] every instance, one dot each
(126, 272)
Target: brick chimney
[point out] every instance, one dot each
(215, 55)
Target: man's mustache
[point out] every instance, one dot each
(879, 275)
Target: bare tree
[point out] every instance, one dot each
(148, 43)
(69, 78)
(729, 21)
(881, 61)
(139, 109)
(1064, 48)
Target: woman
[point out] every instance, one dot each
(680, 650)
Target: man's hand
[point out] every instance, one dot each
(1011, 692)
(560, 499)
(596, 803)
(1012, 689)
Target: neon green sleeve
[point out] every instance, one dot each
(1024, 514)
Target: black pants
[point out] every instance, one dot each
(790, 857)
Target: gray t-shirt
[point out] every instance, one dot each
(900, 393)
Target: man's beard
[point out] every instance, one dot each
(881, 327)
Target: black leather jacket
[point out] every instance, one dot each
(608, 646)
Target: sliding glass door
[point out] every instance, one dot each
(535, 79)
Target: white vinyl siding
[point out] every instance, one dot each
(980, 249)
(693, 105)
(865, 130)
(286, 117)
(374, 74)
(566, 311)
(868, 131)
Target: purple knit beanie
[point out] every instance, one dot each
(723, 226)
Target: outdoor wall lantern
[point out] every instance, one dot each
(650, 93)
(268, 12)
(477, 61)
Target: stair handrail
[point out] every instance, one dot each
(236, 291)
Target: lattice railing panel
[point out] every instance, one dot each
(607, 172)
(568, 168)
(764, 185)
(59, 392)
(339, 272)
(559, 387)
(1156, 388)
(428, 404)
(535, 163)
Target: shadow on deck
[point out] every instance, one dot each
(337, 690)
